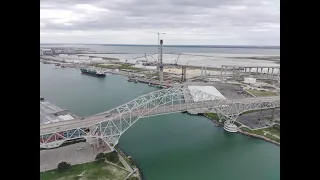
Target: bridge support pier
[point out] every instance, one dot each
(225, 71)
(183, 73)
(202, 72)
(273, 112)
(229, 126)
(233, 72)
(100, 143)
(108, 144)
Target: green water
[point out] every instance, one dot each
(168, 147)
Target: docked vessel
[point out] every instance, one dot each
(92, 72)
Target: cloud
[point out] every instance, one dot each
(137, 21)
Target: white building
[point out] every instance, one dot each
(208, 90)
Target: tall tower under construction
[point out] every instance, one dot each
(160, 64)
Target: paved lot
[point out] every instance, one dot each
(49, 159)
(251, 119)
(229, 91)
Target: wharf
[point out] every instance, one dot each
(49, 112)
(151, 82)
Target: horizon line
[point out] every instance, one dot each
(163, 45)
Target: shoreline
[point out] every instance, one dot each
(258, 137)
(213, 120)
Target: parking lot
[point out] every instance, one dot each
(229, 91)
(251, 119)
(74, 154)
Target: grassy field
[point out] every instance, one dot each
(261, 93)
(213, 116)
(90, 171)
(271, 131)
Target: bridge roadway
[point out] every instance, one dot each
(91, 120)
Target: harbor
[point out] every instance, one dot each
(155, 137)
(95, 93)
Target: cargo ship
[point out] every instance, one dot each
(92, 72)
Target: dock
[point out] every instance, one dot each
(49, 112)
(151, 82)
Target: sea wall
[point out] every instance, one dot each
(134, 166)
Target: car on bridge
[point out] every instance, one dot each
(108, 114)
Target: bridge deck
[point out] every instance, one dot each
(77, 123)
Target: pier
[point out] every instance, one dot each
(50, 113)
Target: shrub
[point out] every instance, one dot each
(100, 157)
(132, 162)
(112, 157)
(63, 166)
(277, 126)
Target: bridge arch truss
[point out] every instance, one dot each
(113, 123)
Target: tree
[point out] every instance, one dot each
(112, 157)
(63, 166)
(100, 157)
(277, 126)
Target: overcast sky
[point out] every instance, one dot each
(188, 22)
